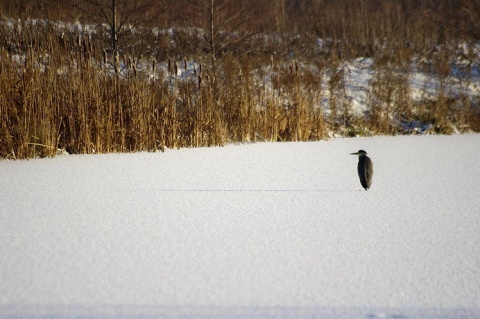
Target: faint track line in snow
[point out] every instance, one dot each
(239, 190)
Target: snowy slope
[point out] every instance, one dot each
(245, 231)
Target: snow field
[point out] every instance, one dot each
(245, 231)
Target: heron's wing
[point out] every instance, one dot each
(365, 171)
(362, 172)
(368, 171)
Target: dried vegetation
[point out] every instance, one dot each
(143, 76)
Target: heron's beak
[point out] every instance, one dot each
(354, 153)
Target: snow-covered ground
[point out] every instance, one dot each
(245, 231)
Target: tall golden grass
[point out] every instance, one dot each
(62, 95)
(60, 92)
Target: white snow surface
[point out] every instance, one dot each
(268, 230)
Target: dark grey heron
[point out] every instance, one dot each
(365, 169)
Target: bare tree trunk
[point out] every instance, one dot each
(115, 35)
(211, 21)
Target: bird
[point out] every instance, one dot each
(365, 169)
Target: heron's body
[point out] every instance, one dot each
(365, 169)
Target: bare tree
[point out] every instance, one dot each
(117, 19)
(472, 9)
(226, 25)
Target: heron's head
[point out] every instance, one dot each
(359, 153)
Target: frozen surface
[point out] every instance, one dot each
(245, 231)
